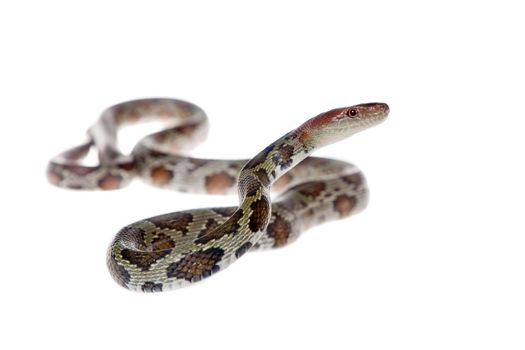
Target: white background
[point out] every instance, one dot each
(436, 261)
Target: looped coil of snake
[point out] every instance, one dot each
(177, 249)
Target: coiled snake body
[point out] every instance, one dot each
(177, 249)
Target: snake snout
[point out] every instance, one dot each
(385, 108)
(377, 108)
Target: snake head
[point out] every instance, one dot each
(340, 123)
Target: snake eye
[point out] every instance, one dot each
(352, 112)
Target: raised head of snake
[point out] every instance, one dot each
(340, 123)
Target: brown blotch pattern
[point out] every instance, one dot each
(161, 176)
(195, 266)
(128, 166)
(279, 230)
(344, 204)
(231, 226)
(110, 182)
(143, 260)
(283, 156)
(210, 226)
(219, 183)
(259, 216)
(312, 189)
(161, 242)
(173, 221)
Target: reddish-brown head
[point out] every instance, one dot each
(340, 123)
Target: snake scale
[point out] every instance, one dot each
(177, 249)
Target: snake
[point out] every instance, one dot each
(178, 249)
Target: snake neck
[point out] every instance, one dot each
(272, 162)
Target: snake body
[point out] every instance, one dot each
(177, 249)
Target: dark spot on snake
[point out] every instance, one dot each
(161, 176)
(141, 259)
(311, 189)
(219, 183)
(354, 179)
(279, 230)
(119, 273)
(260, 214)
(209, 227)
(344, 204)
(150, 287)
(242, 249)
(173, 221)
(229, 227)
(236, 165)
(161, 242)
(283, 156)
(195, 266)
(110, 182)
(128, 166)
